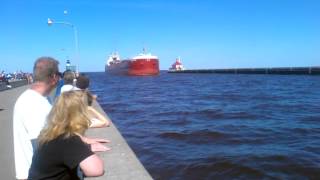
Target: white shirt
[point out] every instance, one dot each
(68, 87)
(29, 117)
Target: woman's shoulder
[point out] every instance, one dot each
(68, 137)
(68, 143)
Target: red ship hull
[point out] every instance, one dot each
(143, 67)
(138, 67)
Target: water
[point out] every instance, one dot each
(211, 126)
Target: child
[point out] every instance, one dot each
(83, 83)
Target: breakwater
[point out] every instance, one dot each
(280, 70)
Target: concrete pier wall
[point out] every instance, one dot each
(120, 163)
(283, 71)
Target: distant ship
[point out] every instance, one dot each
(176, 66)
(142, 65)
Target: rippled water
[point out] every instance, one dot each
(212, 126)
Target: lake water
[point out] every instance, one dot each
(217, 126)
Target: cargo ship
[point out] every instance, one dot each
(143, 64)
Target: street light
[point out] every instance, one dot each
(50, 22)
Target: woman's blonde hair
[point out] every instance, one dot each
(68, 116)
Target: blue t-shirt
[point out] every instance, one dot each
(58, 88)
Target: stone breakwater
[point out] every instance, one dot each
(280, 70)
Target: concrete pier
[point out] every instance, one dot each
(13, 84)
(120, 163)
(281, 70)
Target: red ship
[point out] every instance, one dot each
(142, 65)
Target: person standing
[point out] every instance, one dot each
(62, 150)
(30, 113)
(96, 118)
(59, 86)
(68, 79)
(82, 82)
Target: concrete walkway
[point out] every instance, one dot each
(7, 100)
(120, 163)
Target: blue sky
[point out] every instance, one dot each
(204, 33)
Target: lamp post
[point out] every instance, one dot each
(75, 32)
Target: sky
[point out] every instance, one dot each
(204, 33)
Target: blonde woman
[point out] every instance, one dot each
(62, 148)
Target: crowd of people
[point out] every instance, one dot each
(6, 78)
(49, 136)
(18, 75)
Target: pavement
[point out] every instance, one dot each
(12, 84)
(120, 162)
(7, 100)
